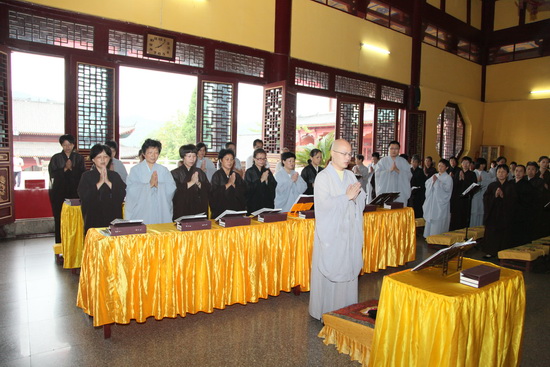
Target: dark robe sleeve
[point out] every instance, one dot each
(259, 194)
(309, 174)
(190, 200)
(221, 199)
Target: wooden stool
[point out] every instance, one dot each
(522, 257)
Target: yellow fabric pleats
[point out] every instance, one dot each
(166, 273)
(426, 319)
(72, 236)
(390, 239)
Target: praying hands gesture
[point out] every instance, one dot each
(295, 176)
(499, 193)
(194, 180)
(353, 190)
(230, 181)
(394, 167)
(461, 176)
(103, 179)
(203, 165)
(434, 178)
(68, 165)
(154, 181)
(264, 177)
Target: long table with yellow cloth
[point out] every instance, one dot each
(427, 319)
(166, 273)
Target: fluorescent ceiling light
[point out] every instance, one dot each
(540, 91)
(375, 49)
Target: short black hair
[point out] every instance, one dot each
(202, 145)
(501, 157)
(188, 148)
(415, 157)
(533, 164)
(479, 162)
(429, 157)
(228, 144)
(361, 157)
(516, 163)
(394, 142)
(466, 158)
(257, 141)
(504, 167)
(287, 155)
(543, 157)
(151, 143)
(225, 152)
(522, 166)
(314, 152)
(404, 156)
(375, 155)
(112, 144)
(98, 148)
(67, 137)
(445, 162)
(259, 151)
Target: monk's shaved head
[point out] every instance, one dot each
(341, 145)
(341, 154)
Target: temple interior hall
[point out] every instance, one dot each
(443, 77)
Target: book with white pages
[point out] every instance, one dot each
(193, 216)
(126, 222)
(230, 212)
(265, 210)
(470, 188)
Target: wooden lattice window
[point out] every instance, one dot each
(4, 118)
(233, 62)
(311, 78)
(416, 125)
(95, 105)
(216, 114)
(385, 128)
(348, 123)
(131, 45)
(50, 31)
(392, 94)
(273, 118)
(355, 86)
(450, 132)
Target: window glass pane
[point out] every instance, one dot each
(249, 119)
(156, 105)
(315, 124)
(368, 133)
(430, 35)
(379, 13)
(38, 115)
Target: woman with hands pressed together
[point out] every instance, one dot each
(101, 190)
(228, 189)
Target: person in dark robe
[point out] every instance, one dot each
(542, 216)
(65, 169)
(429, 169)
(260, 184)
(418, 187)
(524, 215)
(101, 190)
(192, 186)
(460, 205)
(228, 190)
(312, 169)
(544, 171)
(499, 202)
(453, 168)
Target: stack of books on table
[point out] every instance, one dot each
(121, 227)
(194, 222)
(268, 215)
(306, 214)
(231, 218)
(479, 276)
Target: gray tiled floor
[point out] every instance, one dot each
(41, 326)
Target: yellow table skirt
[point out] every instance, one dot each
(166, 273)
(425, 319)
(390, 239)
(72, 236)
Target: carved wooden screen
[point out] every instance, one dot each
(279, 118)
(216, 113)
(450, 132)
(348, 123)
(416, 127)
(6, 170)
(385, 128)
(95, 105)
